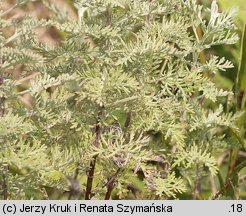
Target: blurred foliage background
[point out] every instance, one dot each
(228, 79)
(225, 79)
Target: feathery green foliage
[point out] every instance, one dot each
(122, 94)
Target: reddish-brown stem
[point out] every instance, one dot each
(240, 99)
(128, 119)
(90, 176)
(110, 185)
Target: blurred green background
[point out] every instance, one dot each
(232, 52)
(228, 79)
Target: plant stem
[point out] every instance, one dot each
(112, 179)
(5, 186)
(196, 190)
(229, 181)
(8, 10)
(128, 119)
(90, 176)
(110, 185)
(239, 138)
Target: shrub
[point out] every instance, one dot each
(121, 103)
